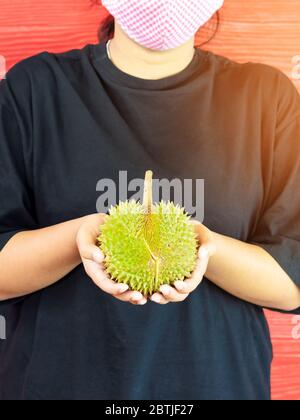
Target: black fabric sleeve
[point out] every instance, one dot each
(16, 165)
(17, 198)
(278, 230)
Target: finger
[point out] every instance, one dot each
(87, 239)
(202, 263)
(102, 218)
(171, 294)
(90, 250)
(159, 298)
(191, 284)
(97, 255)
(101, 279)
(118, 290)
(136, 298)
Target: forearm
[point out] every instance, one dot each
(251, 274)
(34, 260)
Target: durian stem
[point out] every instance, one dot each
(148, 192)
(148, 206)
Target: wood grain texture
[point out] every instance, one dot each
(266, 31)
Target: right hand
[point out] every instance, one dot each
(92, 259)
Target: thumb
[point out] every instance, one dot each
(86, 241)
(205, 238)
(91, 252)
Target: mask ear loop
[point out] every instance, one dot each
(108, 49)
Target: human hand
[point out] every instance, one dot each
(93, 258)
(182, 289)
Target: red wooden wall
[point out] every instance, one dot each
(262, 30)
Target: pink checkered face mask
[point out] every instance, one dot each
(162, 24)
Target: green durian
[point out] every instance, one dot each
(147, 245)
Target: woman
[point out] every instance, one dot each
(146, 100)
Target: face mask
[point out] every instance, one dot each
(162, 24)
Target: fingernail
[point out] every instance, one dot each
(98, 256)
(156, 298)
(203, 252)
(136, 296)
(165, 290)
(123, 288)
(180, 285)
(143, 302)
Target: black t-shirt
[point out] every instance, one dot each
(68, 121)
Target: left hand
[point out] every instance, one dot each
(182, 289)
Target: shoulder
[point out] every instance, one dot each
(21, 74)
(249, 68)
(250, 72)
(259, 82)
(42, 68)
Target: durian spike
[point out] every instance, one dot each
(148, 192)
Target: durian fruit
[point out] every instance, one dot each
(147, 245)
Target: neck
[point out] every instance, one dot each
(144, 63)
